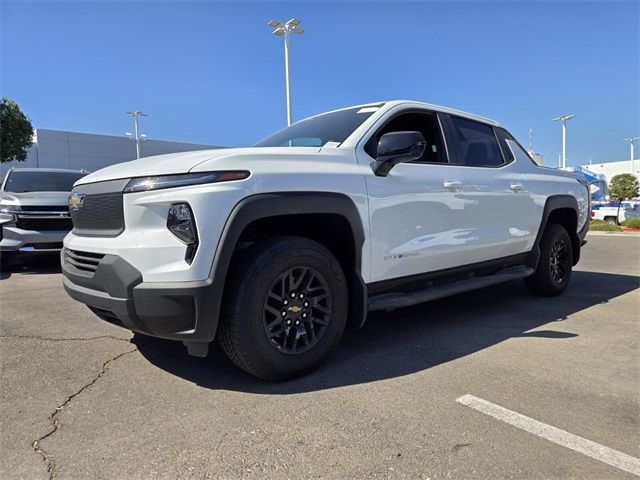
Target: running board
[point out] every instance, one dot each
(389, 301)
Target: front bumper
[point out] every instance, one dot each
(115, 291)
(14, 239)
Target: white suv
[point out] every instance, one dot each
(34, 210)
(274, 248)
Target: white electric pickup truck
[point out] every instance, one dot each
(273, 249)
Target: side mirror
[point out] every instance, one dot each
(395, 148)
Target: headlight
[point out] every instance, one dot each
(181, 223)
(10, 209)
(142, 184)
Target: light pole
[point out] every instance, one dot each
(285, 29)
(564, 119)
(137, 137)
(632, 141)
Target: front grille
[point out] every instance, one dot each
(99, 215)
(44, 246)
(62, 223)
(85, 261)
(45, 208)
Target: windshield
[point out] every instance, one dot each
(320, 130)
(22, 182)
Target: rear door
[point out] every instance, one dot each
(498, 201)
(417, 216)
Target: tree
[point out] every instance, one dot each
(16, 132)
(623, 187)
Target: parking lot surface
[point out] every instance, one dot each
(82, 399)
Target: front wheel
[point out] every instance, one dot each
(553, 272)
(285, 308)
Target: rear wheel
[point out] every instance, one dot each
(285, 308)
(611, 220)
(553, 272)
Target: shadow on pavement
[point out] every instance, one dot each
(412, 339)
(32, 263)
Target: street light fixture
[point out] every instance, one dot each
(632, 141)
(564, 119)
(137, 137)
(285, 29)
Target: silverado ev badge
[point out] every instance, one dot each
(76, 200)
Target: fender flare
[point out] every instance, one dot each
(261, 206)
(556, 202)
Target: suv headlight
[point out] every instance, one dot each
(182, 224)
(10, 209)
(8, 213)
(142, 184)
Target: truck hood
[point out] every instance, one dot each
(176, 163)
(48, 199)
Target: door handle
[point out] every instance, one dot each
(517, 187)
(453, 186)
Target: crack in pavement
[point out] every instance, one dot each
(53, 418)
(69, 339)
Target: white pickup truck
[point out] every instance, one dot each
(615, 215)
(273, 249)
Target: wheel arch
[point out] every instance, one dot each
(562, 210)
(295, 210)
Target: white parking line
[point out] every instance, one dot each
(574, 442)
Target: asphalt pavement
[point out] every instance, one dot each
(495, 383)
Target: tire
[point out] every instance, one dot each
(5, 261)
(553, 273)
(267, 332)
(611, 220)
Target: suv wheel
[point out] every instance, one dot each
(553, 272)
(5, 261)
(611, 220)
(285, 308)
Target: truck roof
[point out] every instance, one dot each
(430, 106)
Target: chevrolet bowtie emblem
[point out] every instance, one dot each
(295, 309)
(76, 200)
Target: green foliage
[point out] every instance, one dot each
(16, 132)
(632, 222)
(623, 187)
(602, 226)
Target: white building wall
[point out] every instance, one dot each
(611, 169)
(62, 149)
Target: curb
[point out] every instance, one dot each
(614, 234)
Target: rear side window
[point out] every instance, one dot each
(511, 147)
(476, 143)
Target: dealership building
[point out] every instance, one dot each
(610, 169)
(91, 152)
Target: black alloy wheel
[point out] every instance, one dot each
(297, 310)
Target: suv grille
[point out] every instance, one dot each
(85, 261)
(47, 208)
(26, 223)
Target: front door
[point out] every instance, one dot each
(417, 213)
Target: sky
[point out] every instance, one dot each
(212, 72)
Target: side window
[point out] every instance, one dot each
(476, 143)
(503, 136)
(425, 123)
(511, 146)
